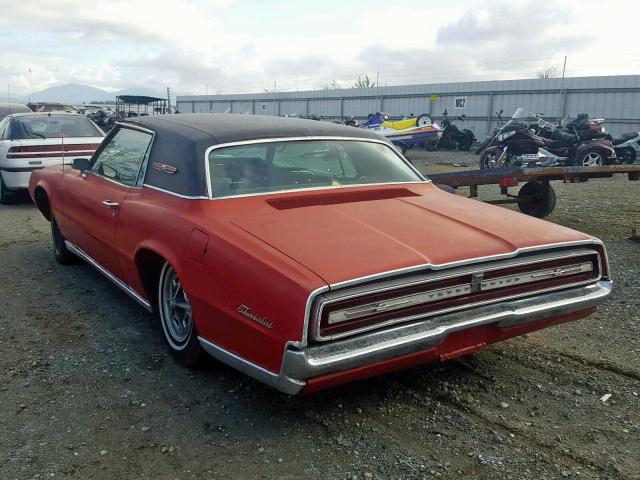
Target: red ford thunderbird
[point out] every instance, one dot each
(308, 254)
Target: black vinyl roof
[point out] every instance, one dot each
(181, 140)
(216, 128)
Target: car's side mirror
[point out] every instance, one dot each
(81, 164)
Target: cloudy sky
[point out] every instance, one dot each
(249, 45)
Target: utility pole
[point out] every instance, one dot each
(564, 67)
(31, 83)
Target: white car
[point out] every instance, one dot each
(30, 141)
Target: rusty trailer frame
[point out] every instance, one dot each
(536, 197)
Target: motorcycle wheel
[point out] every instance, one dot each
(590, 158)
(488, 160)
(626, 155)
(464, 142)
(483, 145)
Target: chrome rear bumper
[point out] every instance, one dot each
(368, 348)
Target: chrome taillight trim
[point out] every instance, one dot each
(317, 311)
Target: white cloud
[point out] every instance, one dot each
(238, 45)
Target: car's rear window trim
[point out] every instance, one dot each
(306, 189)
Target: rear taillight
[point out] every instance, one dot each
(343, 315)
(43, 151)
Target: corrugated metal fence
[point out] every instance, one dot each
(615, 98)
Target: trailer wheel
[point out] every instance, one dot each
(423, 120)
(537, 199)
(401, 146)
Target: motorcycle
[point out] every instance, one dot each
(528, 140)
(589, 129)
(104, 119)
(625, 147)
(452, 137)
(491, 138)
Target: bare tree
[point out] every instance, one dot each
(365, 82)
(332, 86)
(549, 71)
(275, 88)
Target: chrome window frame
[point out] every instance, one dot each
(142, 171)
(421, 177)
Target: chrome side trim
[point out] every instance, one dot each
(424, 266)
(278, 381)
(297, 139)
(168, 192)
(380, 345)
(118, 283)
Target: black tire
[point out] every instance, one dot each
(179, 332)
(485, 159)
(483, 145)
(5, 195)
(401, 146)
(590, 157)
(423, 120)
(626, 155)
(60, 251)
(465, 141)
(537, 199)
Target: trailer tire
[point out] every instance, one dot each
(537, 199)
(401, 146)
(423, 120)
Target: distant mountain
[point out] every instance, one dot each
(76, 93)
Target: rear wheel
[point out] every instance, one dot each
(60, 250)
(176, 318)
(537, 199)
(465, 141)
(5, 194)
(626, 155)
(423, 120)
(590, 158)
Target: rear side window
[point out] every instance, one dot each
(45, 126)
(121, 159)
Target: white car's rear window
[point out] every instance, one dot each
(45, 126)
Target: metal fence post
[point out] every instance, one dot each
(490, 112)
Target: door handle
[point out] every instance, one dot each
(110, 204)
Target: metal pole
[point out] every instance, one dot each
(490, 112)
(564, 67)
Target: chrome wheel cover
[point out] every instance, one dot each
(175, 309)
(592, 159)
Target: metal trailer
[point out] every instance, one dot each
(536, 197)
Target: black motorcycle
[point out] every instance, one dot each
(103, 118)
(491, 138)
(452, 137)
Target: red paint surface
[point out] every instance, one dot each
(457, 344)
(272, 259)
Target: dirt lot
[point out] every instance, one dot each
(88, 392)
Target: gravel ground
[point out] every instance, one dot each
(88, 392)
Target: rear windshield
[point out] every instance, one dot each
(45, 126)
(276, 166)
